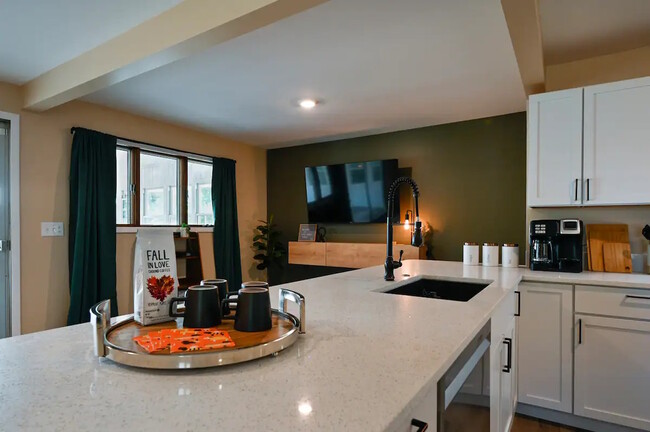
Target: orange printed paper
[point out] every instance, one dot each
(185, 340)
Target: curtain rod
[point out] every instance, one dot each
(74, 129)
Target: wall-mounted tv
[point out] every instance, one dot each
(350, 193)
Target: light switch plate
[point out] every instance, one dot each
(51, 229)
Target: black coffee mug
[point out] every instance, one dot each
(222, 286)
(253, 312)
(202, 308)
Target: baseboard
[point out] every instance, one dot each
(570, 419)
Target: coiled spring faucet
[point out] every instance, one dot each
(416, 240)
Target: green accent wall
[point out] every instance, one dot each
(471, 174)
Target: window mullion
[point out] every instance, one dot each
(182, 188)
(135, 180)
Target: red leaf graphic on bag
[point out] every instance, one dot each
(160, 288)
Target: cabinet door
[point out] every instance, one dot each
(554, 163)
(545, 342)
(612, 370)
(502, 366)
(616, 146)
(497, 360)
(508, 379)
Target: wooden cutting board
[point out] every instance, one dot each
(617, 257)
(597, 236)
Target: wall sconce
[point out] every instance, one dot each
(407, 220)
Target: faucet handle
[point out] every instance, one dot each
(401, 252)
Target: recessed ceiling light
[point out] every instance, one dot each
(307, 103)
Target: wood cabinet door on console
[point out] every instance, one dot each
(545, 341)
(616, 143)
(554, 162)
(612, 370)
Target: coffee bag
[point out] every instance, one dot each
(154, 276)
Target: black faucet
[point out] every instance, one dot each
(416, 239)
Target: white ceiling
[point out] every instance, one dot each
(38, 35)
(579, 29)
(375, 65)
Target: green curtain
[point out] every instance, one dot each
(91, 252)
(227, 261)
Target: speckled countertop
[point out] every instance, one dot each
(366, 361)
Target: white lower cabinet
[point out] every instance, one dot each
(546, 345)
(507, 379)
(503, 367)
(612, 370)
(425, 415)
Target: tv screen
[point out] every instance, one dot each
(350, 193)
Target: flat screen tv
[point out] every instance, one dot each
(350, 193)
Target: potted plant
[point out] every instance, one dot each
(266, 243)
(185, 230)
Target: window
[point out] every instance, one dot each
(163, 188)
(158, 174)
(199, 193)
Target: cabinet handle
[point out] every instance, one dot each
(508, 367)
(579, 331)
(576, 190)
(627, 296)
(422, 426)
(588, 193)
(518, 313)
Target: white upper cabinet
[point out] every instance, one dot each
(554, 159)
(617, 143)
(590, 146)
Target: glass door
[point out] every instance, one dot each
(5, 291)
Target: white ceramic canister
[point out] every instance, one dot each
(490, 254)
(510, 255)
(470, 253)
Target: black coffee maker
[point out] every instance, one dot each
(556, 245)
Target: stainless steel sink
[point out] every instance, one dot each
(441, 289)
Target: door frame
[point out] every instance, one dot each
(14, 216)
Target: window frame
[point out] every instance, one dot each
(134, 152)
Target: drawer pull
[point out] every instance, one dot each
(579, 331)
(627, 296)
(508, 367)
(518, 313)
(420, 425)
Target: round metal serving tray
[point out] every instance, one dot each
(115, 340)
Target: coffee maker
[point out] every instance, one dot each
(556, 245)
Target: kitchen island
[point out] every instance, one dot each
(366, 362)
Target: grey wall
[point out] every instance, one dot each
(471, 174)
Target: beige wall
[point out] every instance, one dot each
(597, 70)
(45, 164)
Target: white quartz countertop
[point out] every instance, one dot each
(366, 361)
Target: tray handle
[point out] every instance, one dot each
(297, 298)
(100, 318)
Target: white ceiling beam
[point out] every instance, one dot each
(186, 29)
(522, 17)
